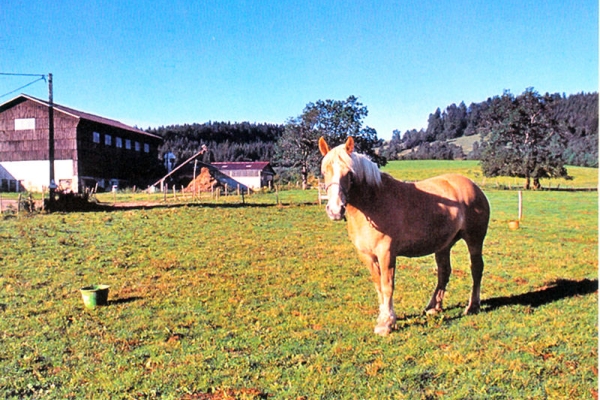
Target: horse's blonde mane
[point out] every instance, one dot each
(360, 165)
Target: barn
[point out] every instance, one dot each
(253, 174)
(90, 151)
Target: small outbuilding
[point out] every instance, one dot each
(253, 174)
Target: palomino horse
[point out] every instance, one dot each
(388, 218)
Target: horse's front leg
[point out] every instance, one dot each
(371, 262)
(442, 259)
(387, 315)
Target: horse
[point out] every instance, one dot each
(387, 218)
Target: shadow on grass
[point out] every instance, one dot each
(125, 300)
(555, 291)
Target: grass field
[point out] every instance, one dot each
(415, 170)
(217, 300)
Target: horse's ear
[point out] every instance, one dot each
(350, 145)
(323, 147)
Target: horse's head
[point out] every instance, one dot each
(336, 168)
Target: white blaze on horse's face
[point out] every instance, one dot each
(336, 194)
(337, 177)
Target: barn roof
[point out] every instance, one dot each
(76, 113)
(243, 165)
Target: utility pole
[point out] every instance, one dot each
(52, 185)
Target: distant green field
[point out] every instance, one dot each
(218, 300)
(421, 169)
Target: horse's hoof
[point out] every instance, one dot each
(433, 311)
(382, 330)
(470, 310)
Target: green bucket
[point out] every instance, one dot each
(94, 295)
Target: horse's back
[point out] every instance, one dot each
(465, 193)
(454, 187)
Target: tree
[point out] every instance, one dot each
(454, 121)
(336, 120)
(521, 138)
(297, 147)
(394, 146)
(435, 127)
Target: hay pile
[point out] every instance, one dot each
(204, 182)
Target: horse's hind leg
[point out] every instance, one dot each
(442, 259)
(477, 274)
(475, 245)
(474, 236)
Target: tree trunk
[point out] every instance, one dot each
(527, 183)
(536, 183)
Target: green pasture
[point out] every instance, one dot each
(419, 169)
(267, 299)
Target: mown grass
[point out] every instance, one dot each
(219, 300)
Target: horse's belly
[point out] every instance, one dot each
(419, 245)
(417, 249)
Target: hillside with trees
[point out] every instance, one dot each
(576, 117)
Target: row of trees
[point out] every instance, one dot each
(225, 141)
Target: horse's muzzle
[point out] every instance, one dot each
(336, 216)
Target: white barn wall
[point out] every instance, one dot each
(253, 182)
(34, 174)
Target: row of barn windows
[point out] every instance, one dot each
(29, 124)
(119, 142)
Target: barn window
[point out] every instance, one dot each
(23, 124)
(119, 142)
(128, 144)
(137, 146)
(96, 137)
(107, 140)
(146, 148)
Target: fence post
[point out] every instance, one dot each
(520, 205)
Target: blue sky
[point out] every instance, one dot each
(153, 63)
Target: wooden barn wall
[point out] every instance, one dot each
(103, 161)
(24, 145)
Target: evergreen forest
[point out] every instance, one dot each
(226, 141)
